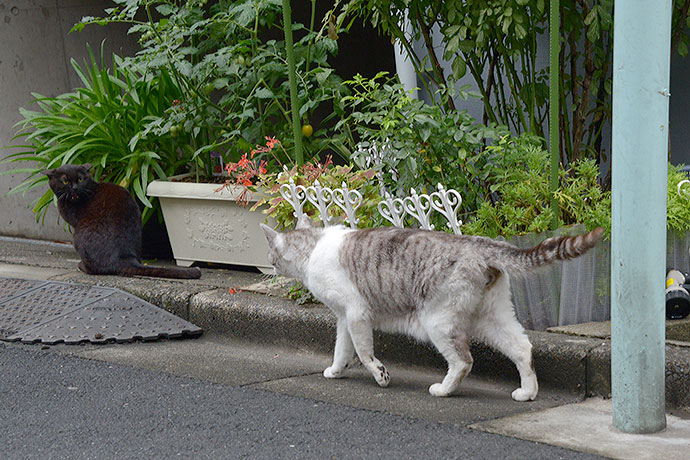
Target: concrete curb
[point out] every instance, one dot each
(581, 365)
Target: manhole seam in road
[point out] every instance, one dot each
(54, 312)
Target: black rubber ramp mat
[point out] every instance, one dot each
(52, 312)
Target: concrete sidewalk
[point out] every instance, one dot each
(576, 363)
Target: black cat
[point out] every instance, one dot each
(107, 225)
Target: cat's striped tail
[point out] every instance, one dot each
(550, 250)
(560, 248)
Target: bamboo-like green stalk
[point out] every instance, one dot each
(311, 31)
(294, 102)
(554, 47)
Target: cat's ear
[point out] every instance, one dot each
(303, 222)
(269, 232)
(48, 172)
(86, 166)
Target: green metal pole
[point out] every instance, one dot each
(292, 80)
(554, 50)
(641, 63)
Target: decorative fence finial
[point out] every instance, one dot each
(392, 210)
(446, 202)
(419, 207)
(348, 201)
(322, 199)
(296, 196)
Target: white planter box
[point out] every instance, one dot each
(207, 225)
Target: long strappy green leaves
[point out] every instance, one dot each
(103, 123)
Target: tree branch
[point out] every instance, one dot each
(489, 83)
(438, 70)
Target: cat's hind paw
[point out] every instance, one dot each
(523, 395)
(333, 373)
(438, 390)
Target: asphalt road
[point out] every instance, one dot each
(55, 405)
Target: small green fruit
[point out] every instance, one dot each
(307, 130)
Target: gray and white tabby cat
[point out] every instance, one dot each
(430, 285)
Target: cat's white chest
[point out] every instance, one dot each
(325, 276)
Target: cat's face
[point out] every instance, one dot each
(289, 252)
(276, 252)
(71, 183)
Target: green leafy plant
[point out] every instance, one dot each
(231, 71)
(328, 176)
(101, 123)
(300, 294)
(413, 144)
(520, 193)
(496, 43)
(677, 204)
(262, 171)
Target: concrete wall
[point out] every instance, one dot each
(35, 52)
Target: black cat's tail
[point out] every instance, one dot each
(138, 269)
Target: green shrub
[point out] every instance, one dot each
(328, 176)
(420, 144)
(497, 43)
(520, 192)
(678, 204)
(231, 70)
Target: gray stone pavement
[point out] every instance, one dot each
(577, 366)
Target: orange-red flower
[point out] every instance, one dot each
(246, 171)
(244, 162)
(271, 142)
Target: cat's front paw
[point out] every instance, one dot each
(333, 373)
(382, 377)
(437, 389)
(523, 395)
